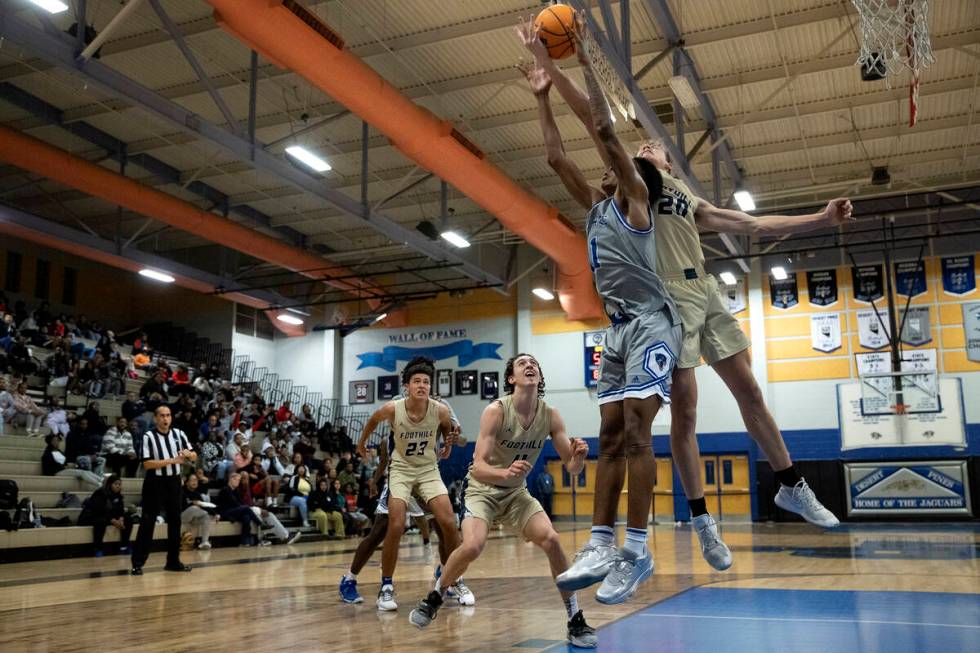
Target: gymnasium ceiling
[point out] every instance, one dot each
(780, 76)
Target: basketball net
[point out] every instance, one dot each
(616, 92)
(895, 37)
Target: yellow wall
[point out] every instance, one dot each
(792, 357)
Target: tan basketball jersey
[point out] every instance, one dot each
(414, 443)
(678, 243)
(514, 442)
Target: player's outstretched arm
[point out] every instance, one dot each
(631, 193)
(572, 451)
(385, 413)
(730, 221)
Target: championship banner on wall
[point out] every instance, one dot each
(935, 487)
(733, 296)
(821, 286)
(825, 332)
(915, 326)
(868, 283)
(959, 277)
(873, 329)
(971, 330)
(910, 278)
(784, 293)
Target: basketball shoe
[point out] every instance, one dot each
(590, 566)
(715, 552)
(626, 574)
(580, 633)
(801, 500)
(458, 591)
(426, 610)
(348, 591)
(386, 599)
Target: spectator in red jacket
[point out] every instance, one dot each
(284, 414)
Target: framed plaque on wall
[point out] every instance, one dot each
(444, 383)
(361, 392)
(466, 382)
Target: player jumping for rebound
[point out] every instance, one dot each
(416, 421)
(512, 432)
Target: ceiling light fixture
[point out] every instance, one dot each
(51, 6)
(156, 276)
(380, 317)
(744, 200)
(684, 92)
(308, 158)
(728, 278)
(544, 294)
(779, 272)
(455, 239)
(289, 319)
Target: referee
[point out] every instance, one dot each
(163, 451)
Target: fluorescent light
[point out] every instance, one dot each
(681, 86)
(303, 155)
(778, 272)
(543, 294)
(51, 6)
(381, 317)
(455, 239)
(298, 312)
(744, 200)
(156, 276)
(289, 319)
(728, 278)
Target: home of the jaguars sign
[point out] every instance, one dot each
(937, 487)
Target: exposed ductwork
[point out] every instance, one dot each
(41, 158)
(292, 37)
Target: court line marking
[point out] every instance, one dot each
(843, 621)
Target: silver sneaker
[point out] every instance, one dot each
(716, 553)
(590, 566)
(627, 572)
(801, 500)
(386, 599)
(462, 593)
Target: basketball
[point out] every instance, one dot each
(557, 25)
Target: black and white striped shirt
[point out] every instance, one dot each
(157, 446)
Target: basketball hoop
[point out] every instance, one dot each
(616, 92)
(895, 37)
(900, 409)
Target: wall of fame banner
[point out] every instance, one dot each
(910, 278)
(821, 286)
(933, 487)
(959, 275)
(971, 330)
(868, 283)
(733, 296)
(915, 326)
(873, 329)
(825, 332)
(784, 293)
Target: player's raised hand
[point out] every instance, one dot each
(579, 34)
(530, 38)
(838, 212)
(537, 77)
(518, 469)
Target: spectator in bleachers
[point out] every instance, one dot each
(57, 419)
(182, 381)
(285, 413)
(27, 411)
(346, 444)
(133, 407)
(115, 373)
(106, 507)
(231, 508)
(82, 447)
(118, 450)
(233, 447)
(8, 331)
(7, 410)
(351, 497)
(213, 456)
(202, 386)
(30, 330)
(142, 361)
(20, 357)
(58, 366)
(196, 511)
(243, 458)
(328, 517)
(56, 328)
(105, 344)
(370, 463)
(55, 463)
(154, 391)
(264, 518)
(347, 476)
(299, 489)
(271, 463)
(185, 422)
(141, 343)
(264, 487)
(96, 422)
(305, 449)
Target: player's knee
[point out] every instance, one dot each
(471, 550)
(550, 543)
(612, 443)
(749, 396)
(683, 415)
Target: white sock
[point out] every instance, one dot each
(602, 536)
(350, 575)
(636, 541)
(571, 605)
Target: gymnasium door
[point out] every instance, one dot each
(726, 485)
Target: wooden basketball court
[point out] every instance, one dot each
(864, 587)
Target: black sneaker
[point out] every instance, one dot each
(178, 567)
(580, 633)
(136, 571)
(426, 610)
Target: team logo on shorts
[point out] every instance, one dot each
(659, 361)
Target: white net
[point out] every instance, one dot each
(616, 92)
(894, 36)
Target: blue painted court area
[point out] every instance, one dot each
(751, 620)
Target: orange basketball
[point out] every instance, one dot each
(557, 25)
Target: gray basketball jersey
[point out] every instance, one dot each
(624, 263)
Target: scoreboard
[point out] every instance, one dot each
(593, 355)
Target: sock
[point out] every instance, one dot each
(386, 580)
(571, 605)
(636, 541)
(438, 585)
(602, 536)
(789, 476)
(425, 542)
(698, 507)
(350, 575)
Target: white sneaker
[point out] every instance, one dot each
(591, 565)
(462, 593)
(295, 538)
(801, 500)
(715, 552)
(625, 575)
(386, 599)
(204, 546)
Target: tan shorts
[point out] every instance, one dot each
(710, 331)
(426, 481)
(511, 507)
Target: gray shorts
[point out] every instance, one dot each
(638, 357)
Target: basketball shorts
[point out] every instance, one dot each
(638, 357)
(510, 507)
(424, 480)
(710, 331)
(413, 508)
